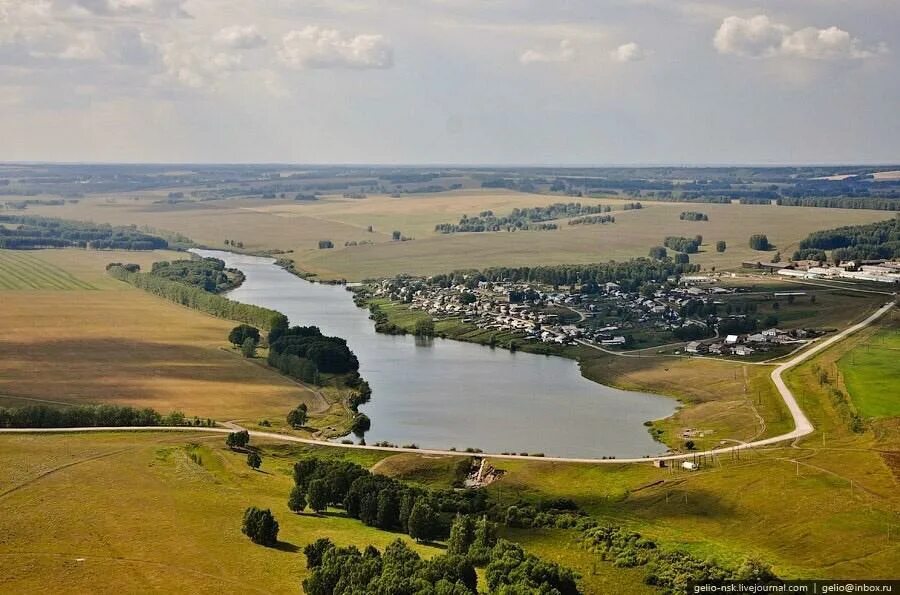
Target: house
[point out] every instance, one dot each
(757, 338)
(693, 347)
(742, 350)
(731, 339)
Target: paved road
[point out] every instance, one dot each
(802, 425)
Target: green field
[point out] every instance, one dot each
(871, 372)
(20, 270)
(162, 512)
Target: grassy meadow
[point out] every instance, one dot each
(871, 373)
(162, 512)
(100, 340)
(298, 226)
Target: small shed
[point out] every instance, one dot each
(690, 466)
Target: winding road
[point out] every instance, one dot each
(802, 425)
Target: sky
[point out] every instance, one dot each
(549, 82)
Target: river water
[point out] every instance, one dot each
(442, 393)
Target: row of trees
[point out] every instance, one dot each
(379, 501)
(84, 416)
(593, 220)
(630, 274)
(197, 298)
(27, 233)
(842, 202)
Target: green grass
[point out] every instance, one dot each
(22, 271)
(161, 512)
(872, 374)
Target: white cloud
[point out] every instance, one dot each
(564, 53)
(316, 47)
(197, 67)
(761, 37)
(629, 52)
(240, 37)
(158, 8)
(83, 46)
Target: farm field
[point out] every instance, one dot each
(871, 373)
(20, 270)
(114, 343)
(298, 226)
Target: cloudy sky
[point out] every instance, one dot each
(450, 81)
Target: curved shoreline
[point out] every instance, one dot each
(802, 425)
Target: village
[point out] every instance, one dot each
(692, 310)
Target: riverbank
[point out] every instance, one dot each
(718, 399)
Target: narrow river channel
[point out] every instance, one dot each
(444, 393)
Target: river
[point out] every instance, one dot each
(442, 393)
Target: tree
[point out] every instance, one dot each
(422, 523)
(689, 444)
(720, 246)
(387, 509)
(462, 535)
(317, 494)
(237, 439)
(297, 500)
(316, 550)
(759, 241)
(254, 460)
(682, 258)
(248, 348)
(298, 416)
(260, 526)
(241, 333)
(658, 253)
(396, 235)
(425, 327)
(361, 424)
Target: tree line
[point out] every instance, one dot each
(630, 274)
(380, 501)
(858, 242)
(91, 416)
(592, 220)
(842, 202)
(197, 298)
(29, 233)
